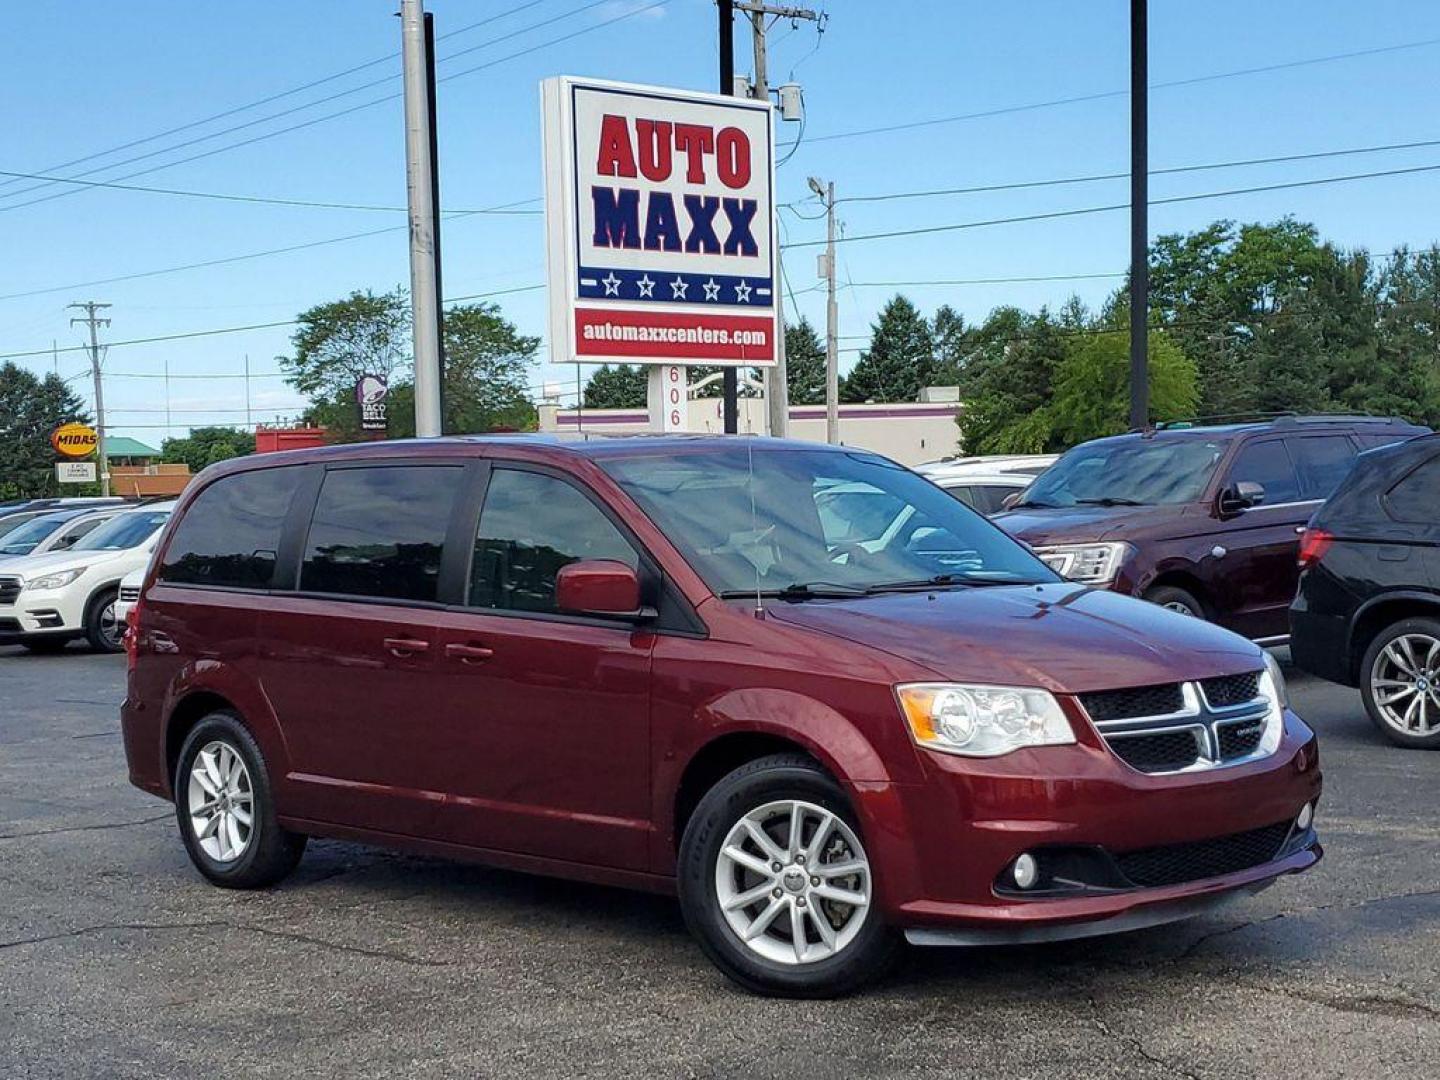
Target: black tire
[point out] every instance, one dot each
(270, 852)
(44, 646)
(1429, 628)
(1168, 596)
(791, 776)
(101, 630)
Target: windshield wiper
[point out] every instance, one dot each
(941, 581)
(1031, 504)
(1110, 500)
(798, 590)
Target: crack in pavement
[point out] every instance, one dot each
(1134, 1043)
(1388, 1005)
(89, 828)
(213, 925)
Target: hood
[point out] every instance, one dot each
(31, 566)
(1062, 637)
(1079, 524)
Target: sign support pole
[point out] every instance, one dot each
(424, 299)
(731, 375)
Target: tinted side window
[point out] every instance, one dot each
(1268, 464)
(963, 492)
(1323, 461)
(531, 526)
(1416, 498)
(381, 531)
(231, 532)
(987, 498)
(76, 531)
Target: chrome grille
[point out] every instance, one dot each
(1173, 727)
(9, 590)
(130, 593)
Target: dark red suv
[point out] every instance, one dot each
(656, 662)
(1203, 520)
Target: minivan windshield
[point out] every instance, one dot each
(123, 531)
(803, 523)
(1129, 472)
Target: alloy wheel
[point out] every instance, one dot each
(793, 882)
(109, 627)
(1405, 684)
(221, 802)
(1181, 607)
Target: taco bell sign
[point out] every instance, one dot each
(659, 213)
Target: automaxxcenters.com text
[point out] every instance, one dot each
(695, 335)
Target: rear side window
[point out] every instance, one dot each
(1322, 461)
(1416, 498)
(988, 498)
(1267, 464)
(380, 531)
(230, 534)
(532, 525)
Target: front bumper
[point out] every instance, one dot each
(942, 848)
(33, 618)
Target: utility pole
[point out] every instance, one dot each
(435, 206)
(777, 382)
(248, 425)
(94, 321)
(730, 382)
(1139, 218)
(424, 298)
(832, 315)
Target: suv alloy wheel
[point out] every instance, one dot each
(1400, 682)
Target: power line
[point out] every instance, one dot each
(251, 198)
(1243, 163)
(191, 125)
(1103, 95)
(1078, 212)
(319, 119)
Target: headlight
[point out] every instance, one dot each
(54, 581)
(1274, 691)
(982, 721)
(1091, 564)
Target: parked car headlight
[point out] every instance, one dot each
(53, 581)
(1090, 564)
(1275, 692)
(982, 721)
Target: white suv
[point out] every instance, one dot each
(982, 483)
(46, 600)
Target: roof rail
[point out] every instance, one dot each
(1221, 418)
(1325, 418)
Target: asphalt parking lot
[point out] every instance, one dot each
(117, 960)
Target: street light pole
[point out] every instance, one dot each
(1139, 218)
(832, 316)
(424, 298)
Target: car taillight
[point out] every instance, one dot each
(1314, 543)
(132, 636)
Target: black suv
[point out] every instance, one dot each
(1368, 609)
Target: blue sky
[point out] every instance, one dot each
(83, 77)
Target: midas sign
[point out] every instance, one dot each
(74, 440)
(659, 212)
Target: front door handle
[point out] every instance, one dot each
(468, 654)
(400, 646)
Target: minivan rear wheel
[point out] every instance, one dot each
(1400, 683)
(776, 884)
(226, 810)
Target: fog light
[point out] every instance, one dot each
(1307, 815)
(1026, 872)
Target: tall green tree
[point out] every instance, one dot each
(487, 371)
(1092, 387)
(1009, 382)
(207, 445)
(952, 340)
(804, 364)
(337, 342)
(899, 361)
(30, 409)
(618, 387)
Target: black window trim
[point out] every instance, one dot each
(675, 616)
(1256, 440)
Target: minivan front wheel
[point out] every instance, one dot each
(1400, 683)
(777, 886)
(225, 808)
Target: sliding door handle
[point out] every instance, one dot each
(468, 654)
(399, 646)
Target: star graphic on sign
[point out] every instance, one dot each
(678, 287)
(647, 287)
(611, 283)
(742, 292)
(712, 289)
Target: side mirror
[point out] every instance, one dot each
(1241, 495)
(1009, 501)
(598, 587)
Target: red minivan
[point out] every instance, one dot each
(674, 664)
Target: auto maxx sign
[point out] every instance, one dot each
(659, 211)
